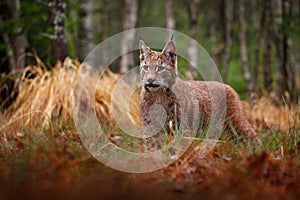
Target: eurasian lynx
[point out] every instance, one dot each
(165, 98)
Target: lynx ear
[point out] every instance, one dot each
(170, 51)
(144, 49)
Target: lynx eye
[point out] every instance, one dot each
(145, 68)
(160, 69)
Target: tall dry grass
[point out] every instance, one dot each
(266, 115)
(45, 96)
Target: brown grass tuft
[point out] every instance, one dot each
(105, 87)
(265, 114)
(46, 163)
(44, 97)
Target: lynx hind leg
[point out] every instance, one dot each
(237, 118)
(244, 128)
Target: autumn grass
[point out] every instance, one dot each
(41, 154)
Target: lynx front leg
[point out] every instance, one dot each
(154, 120)
(151, 143)
(150, 134)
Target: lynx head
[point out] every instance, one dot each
(158, 69)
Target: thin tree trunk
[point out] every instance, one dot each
(284, 56)
(291, 70)
(265, 27)
(86, 29)
(288, 50)
(193, 10)
(129, 22)
(61, 47)
(279, 44)
(243, 48)
(268, 80)
(286, 73)
(104, 19)
(17, 43)
(228, 12)
(170, 21)
(212, 34)
(104, 29)
(258, 27)
(20, 41)
(213, 40)
(10, 53)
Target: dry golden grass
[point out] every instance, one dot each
(40, 159)
(265, 114)
(105, 86)
(44, 97)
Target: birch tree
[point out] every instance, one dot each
(265, 29)
(227, 31)
(243, 47)
(129, 22)
(86, 29)
(193, 10)
(61, 47)
(170, 21)
(257, 23)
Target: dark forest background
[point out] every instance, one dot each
(255, 43)
(43, 155)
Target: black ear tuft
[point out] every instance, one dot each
(144, 49)
(172, 37)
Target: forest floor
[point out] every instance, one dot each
(52, 163)
(45, 165)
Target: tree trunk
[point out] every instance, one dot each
(193, 10)
(265, 27)
(61, 46)
(280, 46)
(104, 19)
(288, 50)
(294, 91)
(20, 40)
(170, 21)
(283, 43)
(258, 28)
(16, 43)
(228, 20)
(104, 29)
(129, 22)
(86, 29)
(243, 48)
(212, 32)
(9, 52)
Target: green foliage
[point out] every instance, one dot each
(36, 21)
(152, 14)
(183, 66)
(235, 78)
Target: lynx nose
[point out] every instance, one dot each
(150, 81)
(150, 78)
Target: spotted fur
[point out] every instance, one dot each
(162, 87)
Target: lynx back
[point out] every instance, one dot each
(166, 99)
